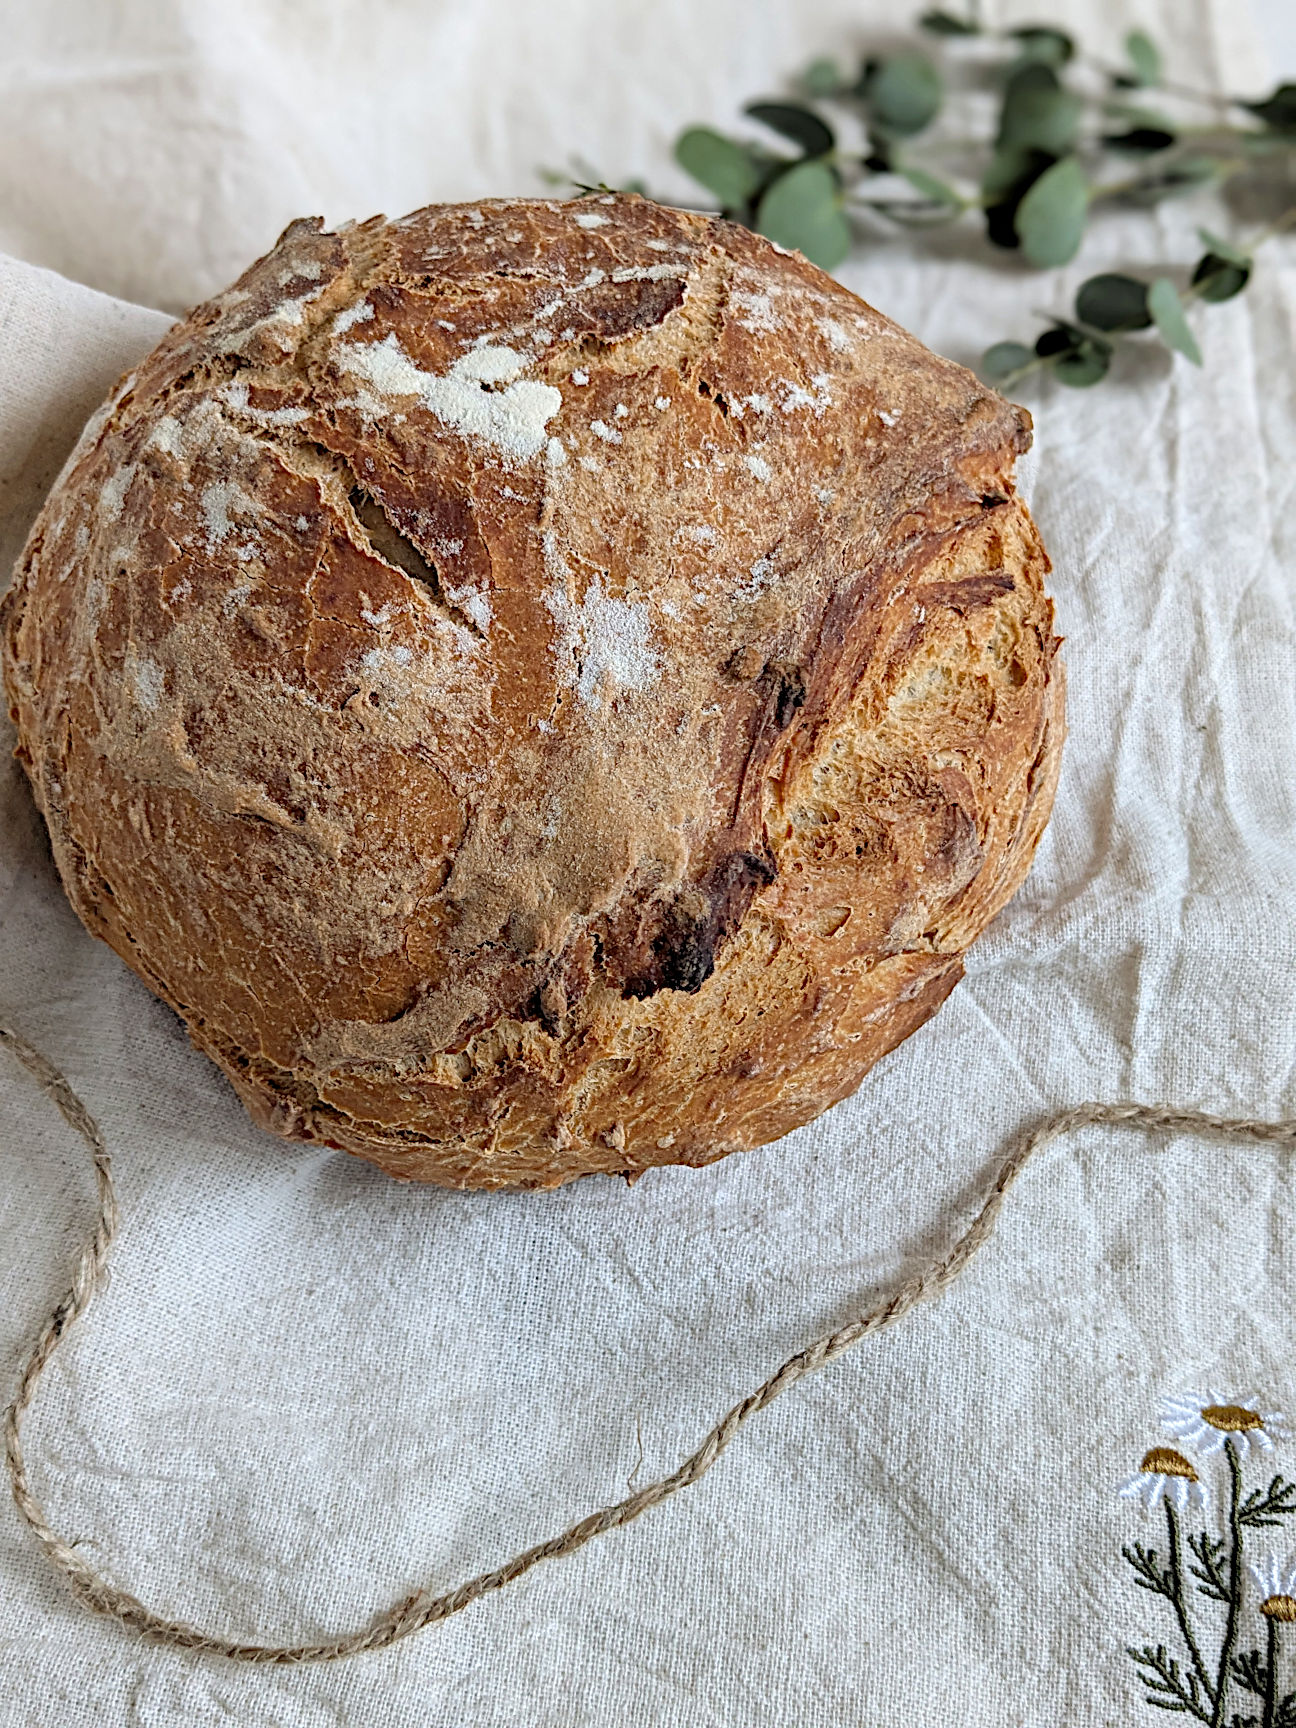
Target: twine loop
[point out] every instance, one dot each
(425, 1607)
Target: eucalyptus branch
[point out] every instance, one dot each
(1035, 181)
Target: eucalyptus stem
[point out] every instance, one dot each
(1181, 1607)
(1235, 1584)
(1032, 177)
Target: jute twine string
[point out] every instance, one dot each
(423, 1608)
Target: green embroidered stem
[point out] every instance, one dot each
(1235, 1583)
(1271, 1676)
(1181, 1607)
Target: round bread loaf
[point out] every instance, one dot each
(539, 687)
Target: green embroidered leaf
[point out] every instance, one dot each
(1210, 1551)
(1113, 302)
(1168, 1688)
(1037, 113)
(1168, 315)
(1144, 58)
(1050, 220)
(729, 170)
(802, 211)
(1277, 111)
(946, 24)
(903, 93)
(1147, 1570)
(999, 363)
(1251, 1672)
(823, 77)
(801, 125)
(1276, 1503)
(1043, 43)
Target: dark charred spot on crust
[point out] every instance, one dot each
(967, 595)
(547, 1004)
(697, 922)
(609, 310)
(786, 683)
(789, 691)
(708, 390)
(991, 500)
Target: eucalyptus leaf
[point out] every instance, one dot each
(802, 211)
(802, 125)
(1218, 279)
(1140, 140)
(1277, 111)
(947, 24)
(1174, 180)
(903, 93)
(1136, 114)
(733, 172)
(1050, 220)
(1084, 366)
(1168, 314)
(823, 77)
(1037, 113)
(937, 190)
(1225, 249)
(1008, 178)
(1144, 57)
(1113, 302)
(1075, 357)
(1003, 360)
(1043, 43)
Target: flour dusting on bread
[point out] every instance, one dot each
(540, 687)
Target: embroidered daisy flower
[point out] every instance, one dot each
(1276, 1585)
(1164, 1474)
(1207, 1423)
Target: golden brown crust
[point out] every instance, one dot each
(540, 687)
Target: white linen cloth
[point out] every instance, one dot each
(310, 1390)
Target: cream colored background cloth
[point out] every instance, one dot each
(309, 1390)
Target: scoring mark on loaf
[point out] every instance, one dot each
(746, 492)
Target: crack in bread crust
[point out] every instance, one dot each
(539, 687)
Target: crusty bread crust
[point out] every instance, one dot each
(539, 687)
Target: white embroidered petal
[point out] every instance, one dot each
(1211, 1420)
(1271, 1578)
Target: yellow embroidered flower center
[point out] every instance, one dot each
(1165, 1461)
(1232, 1418)
(1279, 1607)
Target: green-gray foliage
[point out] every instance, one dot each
(802, 211)
(902, 93)
(1037, 182)
(1050, 220)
